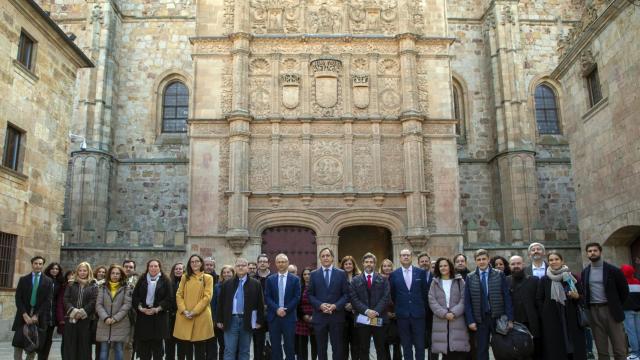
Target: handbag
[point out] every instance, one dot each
(583, 317)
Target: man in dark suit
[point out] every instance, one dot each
(605, 291)
(424, 262)
(33, 301)
(370, 295)
(523, 290)
(409, 293)
(538, 267)
(328, 293)
(240, 310)
(282, 296)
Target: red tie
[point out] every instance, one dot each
(369, 281)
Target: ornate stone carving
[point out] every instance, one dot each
(393, 169)
(507, 16)
(260, 165)
(389, 97)
(259, 67)
(327, 170)
(290, 90)
(388, 67)
(490, 21)
(373, 16)
(290, 65)
(360, 65)
(326, 87)
(290, 162)
(226, 96)
(259, 96)
(423, 93)
(96, 14)
(275, 16)
(587, 61)
(362, 165)
(360, 84)
(416, 15)
(229, 6)
(325, 20)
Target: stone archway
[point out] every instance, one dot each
(299, 243)
(360, 239)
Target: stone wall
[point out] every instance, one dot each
(7, 313)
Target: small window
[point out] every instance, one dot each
(546, 110)
(175, 108)
(26, 50)
(458, 108)
(593, 82)
(12, 145)
(7, 259)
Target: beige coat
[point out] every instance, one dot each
(116, 308)
(194, 295)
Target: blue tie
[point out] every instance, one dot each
(326, 277)
(485, 293)
(240, 298)
(281, 291)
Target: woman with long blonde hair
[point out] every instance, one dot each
(79, 305)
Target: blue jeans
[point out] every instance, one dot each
(237, 340)
(632, 327)
(117, 350)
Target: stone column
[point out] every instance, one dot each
(329, 241)
(275, 156)
(515, 155)
(414, 179)
(306, 156)
(408, 56)
(347, 156)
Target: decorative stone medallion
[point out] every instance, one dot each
(325, 73)
(327, 170)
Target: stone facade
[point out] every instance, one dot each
(38, 101)
(604, 136)
(322, 114)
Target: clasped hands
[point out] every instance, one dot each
(282, 312)
(149, 311)
(29, 320)
(327, 308)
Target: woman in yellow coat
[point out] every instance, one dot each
(194, 325)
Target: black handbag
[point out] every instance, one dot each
(583, 317)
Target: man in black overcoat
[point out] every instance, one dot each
(523, 289)
(34, 294)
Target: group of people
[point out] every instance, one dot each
(436, 309)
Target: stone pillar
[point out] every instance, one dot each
(347, 156)
(328, 241)
(238, 179)
(515, 132)
(306, 157)
(414, 180)
(240, 52)
(275, 155)
(408, 56)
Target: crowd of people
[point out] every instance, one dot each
(438, 309)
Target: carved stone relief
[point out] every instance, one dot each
(260, 96)
(388, 67)
(260, 165)
(423, 93)
(416, 11)
(327, 168)
(259, 67)
(229, 8)
(373, 16)
(275, 16)
(226, 97)
(290, 83)
(393, 169)
(363, 165)
(360, 84)
(326, 91)
(390, 99)
(290, 165)
(325, 18)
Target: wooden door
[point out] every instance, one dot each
(298, 243)
(358, 240)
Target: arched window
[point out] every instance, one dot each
(458, 108)
(546, 110)
(175, 108)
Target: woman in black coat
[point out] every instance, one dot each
(54, 272)
(79, 305)
(558, 299)
(153, 297)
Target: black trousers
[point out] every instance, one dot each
(169, 348)
(46, 347)
(259, 338)
(454, 355)
(329, 331)
(220, 338)
(212, 349)
(350, 340)
(187, 350)
(364, 334)
(77, 340)
(302, 347)
(149, 349)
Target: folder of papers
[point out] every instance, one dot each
(365, 320)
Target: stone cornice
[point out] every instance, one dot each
(579, 39)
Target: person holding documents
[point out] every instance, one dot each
(370, 295)
(328, 294)
(446, 299)
(240, 300)
(282, 295)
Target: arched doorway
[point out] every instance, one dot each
(358, 240)
(298, 243)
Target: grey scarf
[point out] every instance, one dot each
(557, 277)
(151, 288)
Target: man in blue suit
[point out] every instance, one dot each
(328, 293)
(282, 295)
(409, 293)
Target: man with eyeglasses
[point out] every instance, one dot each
(260, 335)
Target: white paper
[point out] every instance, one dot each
(254, 319)
(365, 320)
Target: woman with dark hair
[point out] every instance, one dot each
(54, 272)
(304, 329)
(558, 299)
(112, 308)
(446, 299)
(60, 316)
(100, 278)
(226, 272)
(194, 324)
(386, 268)
(79, 305)
(177, 270)
(500, 263)
(152, 298)
(350, 267)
